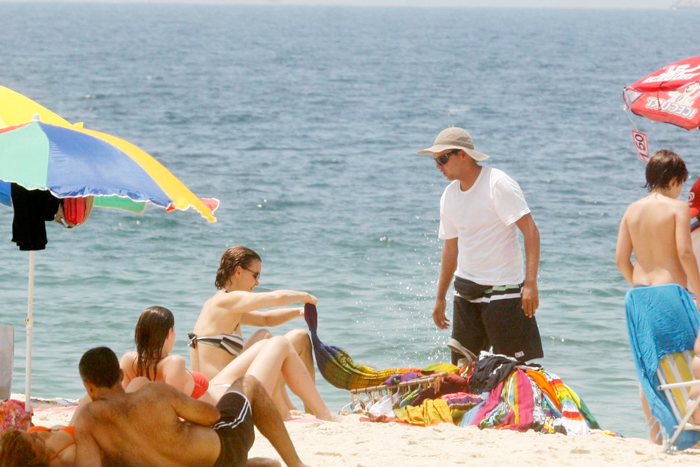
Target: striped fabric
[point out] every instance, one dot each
(497, 292)
(460, 403)
(339, 369)
(675, 368)
(538, 400)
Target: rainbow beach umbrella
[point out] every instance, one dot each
(39, 150)
(77, 162)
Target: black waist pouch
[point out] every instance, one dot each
(470, 290)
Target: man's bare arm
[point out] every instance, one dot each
(623, 252)
(448, 266)
(531, 237)
(87, 451)
(192, 410)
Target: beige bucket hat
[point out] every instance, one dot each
(455, 138)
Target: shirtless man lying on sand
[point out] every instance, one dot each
(146, 428)
(657, 229)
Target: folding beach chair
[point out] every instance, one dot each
(676, 378)
(361, 398)
(663, 323)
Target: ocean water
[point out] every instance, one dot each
(304, 122)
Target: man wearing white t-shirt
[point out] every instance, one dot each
(495, 300)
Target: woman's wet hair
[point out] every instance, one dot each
(151, 332)
(15, 451)
(664, 167)
(233, 257)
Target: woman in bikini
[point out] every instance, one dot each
(272, 361)
(155, 339)
(268, 361)
(216, 339)
(39, 446)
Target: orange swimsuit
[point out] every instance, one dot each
(68, 429)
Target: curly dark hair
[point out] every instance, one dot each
(235, 256)
(664, 167)
(151, 331)
(16, 451)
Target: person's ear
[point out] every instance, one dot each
(90, 388)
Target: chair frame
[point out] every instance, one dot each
(360, 398)
(673, 391)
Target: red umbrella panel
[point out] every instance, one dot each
(670, 95)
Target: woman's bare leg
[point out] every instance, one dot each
(279, 357)
(238, 368)
(299, 338)
(280, 395)
(233, 371)
(257, 336)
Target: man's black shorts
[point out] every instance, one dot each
(235, 429)
(486, 316)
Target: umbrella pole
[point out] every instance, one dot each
(29, 323)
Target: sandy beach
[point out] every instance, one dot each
(354, 443)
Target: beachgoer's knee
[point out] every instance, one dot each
(260, 334)
(299, 339)
(250, 386)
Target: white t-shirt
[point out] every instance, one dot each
(483, 218)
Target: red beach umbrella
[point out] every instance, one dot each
(670, 94)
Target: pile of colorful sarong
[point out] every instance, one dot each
(496, 391)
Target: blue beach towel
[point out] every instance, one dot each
(661, 320)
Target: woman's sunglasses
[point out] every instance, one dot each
(256, 274)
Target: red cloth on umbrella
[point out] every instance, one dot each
(670, 94)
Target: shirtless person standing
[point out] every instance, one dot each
(656, 228)
(145, 428)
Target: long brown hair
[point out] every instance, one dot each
(16, 451)
(234, 256)
(151, 331)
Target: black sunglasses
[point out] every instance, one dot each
(442, 160)
(256, 274)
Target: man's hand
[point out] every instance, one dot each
(530, 298)
(439, 314)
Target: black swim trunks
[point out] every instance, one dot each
(235, 429)
(489, 315)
